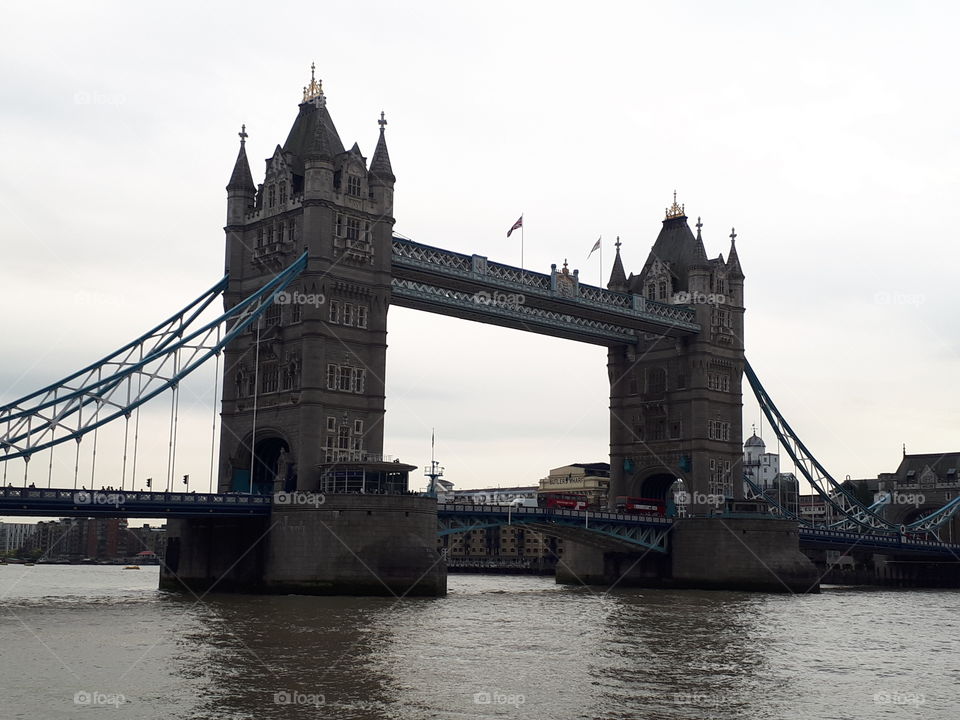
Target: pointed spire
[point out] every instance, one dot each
(380, 166)
(700, 252)
(733, 260)
(356, 150)
(618, 278)
(241, 179)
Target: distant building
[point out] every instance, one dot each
(98, 539)
(763, 469)
(13, 536)
(590, 479)
(506, 547)
(492, 496)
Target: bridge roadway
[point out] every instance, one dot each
(607, 530)
(473, 287)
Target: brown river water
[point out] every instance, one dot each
(101, 641)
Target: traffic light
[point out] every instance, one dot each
(186, 479)
(149, 482)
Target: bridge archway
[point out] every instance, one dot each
(657, 485)
(272, 461)
(271, 465)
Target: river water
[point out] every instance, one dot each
(85, 641)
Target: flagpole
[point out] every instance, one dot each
(600, 284)
(521, 246)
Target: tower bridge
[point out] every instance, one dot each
(312, 266)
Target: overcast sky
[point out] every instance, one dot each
(827, 133)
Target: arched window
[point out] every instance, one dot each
(283, 192)
(272, 196)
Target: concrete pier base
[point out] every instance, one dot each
(330, 545)
(757, 554)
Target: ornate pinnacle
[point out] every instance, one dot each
(313, 91)
(675, 211)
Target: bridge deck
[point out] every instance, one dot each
(116, 503)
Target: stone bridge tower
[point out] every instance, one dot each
(306, 387)
(675, 403)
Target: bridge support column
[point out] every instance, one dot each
(318, 545)
(728, 553)
(755, 554)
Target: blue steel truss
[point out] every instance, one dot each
(607, 529)
(131, 376)
(854, 514)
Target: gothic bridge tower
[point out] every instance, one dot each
(675, 403)
(305, 388)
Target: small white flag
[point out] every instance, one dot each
(596, 246)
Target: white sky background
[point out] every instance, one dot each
(827, 133)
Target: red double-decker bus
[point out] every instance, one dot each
(566, 501)
(640, 506)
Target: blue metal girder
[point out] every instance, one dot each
(158, 360)
(117, 503)
(624, 530)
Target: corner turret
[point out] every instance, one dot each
(240, 189)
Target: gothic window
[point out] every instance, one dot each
(339, 232)
(343, 437)
(353, 229)
(296, 313)
(281, 232)
(283, 192)
(717, 430)
(358, 427)
(346, 379)
(286, 379)
(291, 226)
(272, 196)
(251, 385)
(335, 312)
(676, 430)
(366, 232)
(271, 234)
(658, 432)
(720, 286)
(331, 423)
(361, 316)
(270, 375)
(348, 313)
(662, 290)
(656, 381)
(353, 185)
(271, 316)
